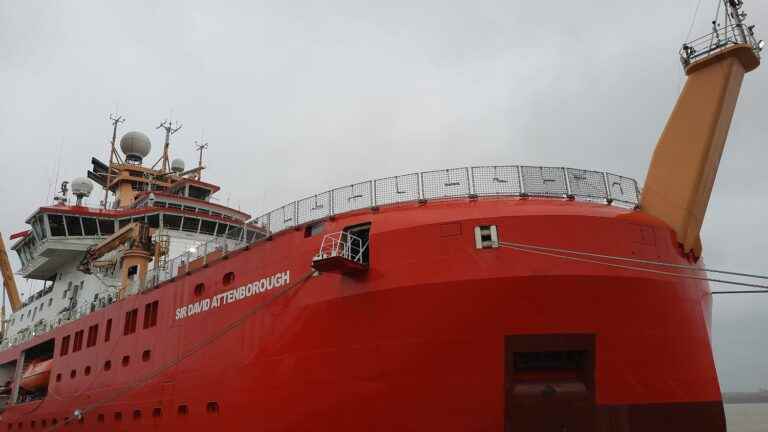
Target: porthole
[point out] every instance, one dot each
(58, 377)
(73, 373)
(107, 365)
(228, 278)
(136, 414)
(54, 422)
(157, 412)
(118, 416)
(199, 289)
(100, 418)
(87, 370)
(126, 360)
(183, 410)
(146, 355)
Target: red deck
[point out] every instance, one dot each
(418, 342)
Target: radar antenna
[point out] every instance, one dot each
(114, 156)
(200, 147)
(169, 130)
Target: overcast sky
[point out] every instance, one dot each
(296, 97)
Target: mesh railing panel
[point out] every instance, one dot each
(397, 189)
(314, 207)
(452, 183)
(282, 218)
(445, 183)
(544, 181)
(623, 189)
(496, 180)
(584, 183)
(352, 197)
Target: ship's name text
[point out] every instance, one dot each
(234, 295)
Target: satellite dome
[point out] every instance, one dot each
(177, 165)
(135, 146)
(81, 186)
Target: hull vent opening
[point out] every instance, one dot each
(550, 383)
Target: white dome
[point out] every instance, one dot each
(177, 165)
(81, 186)
(135, 145)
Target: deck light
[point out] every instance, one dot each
(761, 45)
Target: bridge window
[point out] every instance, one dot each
(56, 223)
(77, 345)
(90, 226)
(130, 322)
(153, 221)
(190, 224)
(172, 221)
(222, 229)
(207, 227)
(106, 226)
(73, 226)
(150, 314)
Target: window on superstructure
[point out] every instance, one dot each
(90, 227)
(235, 232)
(73, 226)
(190, 224)
(106, 226)
(150, 314)
(77, 344)
(41, 224)
(139, 219)
(108, 330)
(122, 223)
(56, 223)
(159, 203)
(130, 322)
(172, 222)
(153, 220)
(174, 205)
(207, 227)
(221, 229)
(64, 346)
(93, 335)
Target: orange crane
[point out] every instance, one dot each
(8, 280)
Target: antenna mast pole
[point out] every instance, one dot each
(113, 155)
(169, 130)
(200, 147)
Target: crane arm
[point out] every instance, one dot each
(8, 280)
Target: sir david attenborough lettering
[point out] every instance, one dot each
(234, 295)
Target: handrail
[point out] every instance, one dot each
(502, 180)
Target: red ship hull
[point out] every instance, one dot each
(425, 339)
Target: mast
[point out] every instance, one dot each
(200, 147)
(113, 154)
(169, 130)
(685, 162)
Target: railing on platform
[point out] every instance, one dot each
(342, 244)
(468, 182)
(720, 39)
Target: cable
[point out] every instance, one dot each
(693, 22)
(739, 292)
(627, 267)
(635, 260)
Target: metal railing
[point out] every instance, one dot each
(197, 257)
(342, 244)
(468, 182)
(720, 39)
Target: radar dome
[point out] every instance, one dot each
(81, 186)
(135, 146)
(177, 165)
